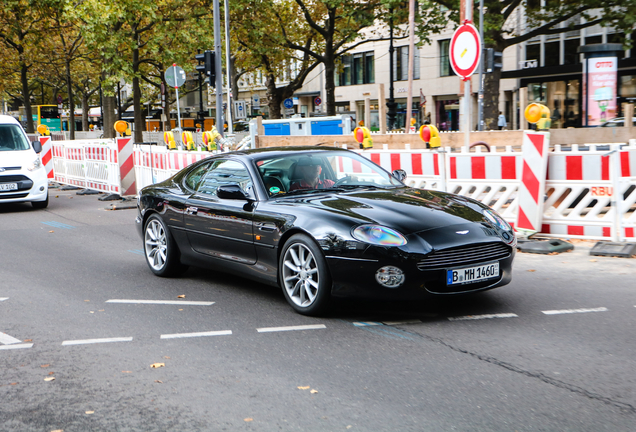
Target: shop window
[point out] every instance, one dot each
(593, 40)
(444, 64)
(552, 54)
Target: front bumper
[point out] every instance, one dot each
(32, 186)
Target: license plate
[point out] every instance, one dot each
(472, 274)
(8, 186)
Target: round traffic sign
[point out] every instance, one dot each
(288, 103)
(465, 50)
(175, 76)
(317, 101)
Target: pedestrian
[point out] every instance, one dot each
(501, 121)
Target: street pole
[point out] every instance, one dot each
(217, 67)
(391, 105)
(469, 15)
(228, 68)
(201, 113)
(176, 89)
(409, 97)
(480, 99)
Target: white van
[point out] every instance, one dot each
(22, 174)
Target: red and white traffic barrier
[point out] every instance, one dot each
(126, 166)
(532, 186)
(425, 168)
(47, 155)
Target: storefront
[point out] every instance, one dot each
(447, 113)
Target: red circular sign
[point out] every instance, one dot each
(465, 50)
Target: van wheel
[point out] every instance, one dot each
(41, 204)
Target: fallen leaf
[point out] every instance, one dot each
(86, 300)
(28, 340)
(49, 379)
(181, 296)
(126, 371)
(180, 310)
(51, 373)
(51, 231)
(91, 311)
(13, 384)
(57, 196)
(46, 365)
(303, 388)
(532, 270)
(593, 260)
(157, 365)
(89, 412)
(159, 381)
(313, 391)
(166, 357)
(58, 430)
(249, 419)
(101, 310)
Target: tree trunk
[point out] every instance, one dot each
(491, 99)
(330, 84)
(274, 99)
(139, 120)
(71, 102)
(26, 97)
(85, 109)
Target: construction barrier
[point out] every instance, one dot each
(590, 191)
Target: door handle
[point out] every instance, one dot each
(267, 227)
(192, 210)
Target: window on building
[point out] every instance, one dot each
(570, 56)
(593, 40)
(401, 64)
(357, 68)
(533, 52)
(444, 64)
(552, 56)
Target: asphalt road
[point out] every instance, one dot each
(553, 351)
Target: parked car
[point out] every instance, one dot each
(322, 223)
(617, 122)
(22, 174)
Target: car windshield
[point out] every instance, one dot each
(12, 138)
(312, 172)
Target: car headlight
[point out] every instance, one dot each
(498, 222)
(34, 165)
(378, 235)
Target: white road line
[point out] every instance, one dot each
(161, 302)
(571, 311)
(290, 328)
(94, 341)
(200, 334)
(8, 347)
(480, 317)
(367, 324)
(8, 340)
(392, 323)
(4, 298)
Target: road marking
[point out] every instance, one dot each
(58, 225)
(367, 324)
(480, 317)
(8, 340)
(8, 347)
(571, 311)
(394, 323)
(94, 341)
(200, 334)
(161, 302)
(137, 252)
(4, 298)
(291, 328)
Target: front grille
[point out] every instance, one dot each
(12, 178)
(12, 196)
(465, 255)
(12, 168)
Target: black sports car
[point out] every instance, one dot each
(322, 222)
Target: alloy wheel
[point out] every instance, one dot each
(156, 244)
(300, 275)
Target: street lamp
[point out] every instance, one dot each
(391, 105)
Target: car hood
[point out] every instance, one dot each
(408, 210)
(16, 158)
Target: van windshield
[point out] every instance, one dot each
(12, 138)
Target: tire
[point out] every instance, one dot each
(304, 276)
(160, 249)
(41, 204)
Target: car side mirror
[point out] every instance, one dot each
(231, 192)
(37, 146)
(399, 174)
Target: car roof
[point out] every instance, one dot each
(284, 151)
(5, 119)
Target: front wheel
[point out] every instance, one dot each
(162, 254)
(304, 275)
(41, 204)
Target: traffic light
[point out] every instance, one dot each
(207, 68)
(494, 60)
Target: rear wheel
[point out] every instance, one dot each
(161, 251)
(304, 276)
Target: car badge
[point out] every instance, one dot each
(461, 232)
(2, 170)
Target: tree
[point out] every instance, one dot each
(501, 30)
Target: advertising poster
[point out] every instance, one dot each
(601, 89)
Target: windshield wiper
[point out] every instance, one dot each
(309, 191)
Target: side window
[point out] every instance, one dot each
(193, 179)
(225, 172)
